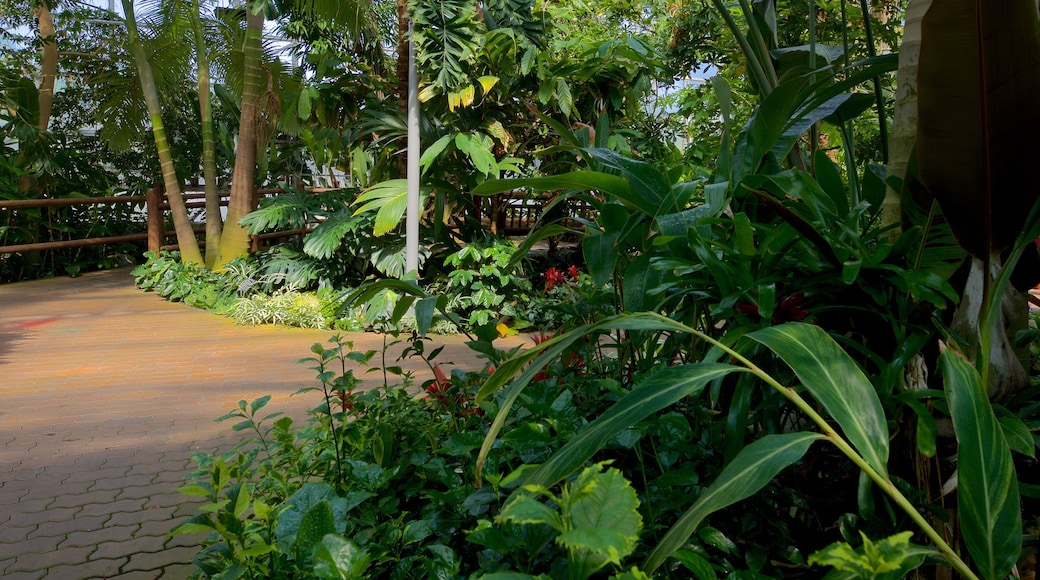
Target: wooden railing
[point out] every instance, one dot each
(155, 207)
(512, 215)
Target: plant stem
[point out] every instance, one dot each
(886, 484)
(757, 72)
(878, 96)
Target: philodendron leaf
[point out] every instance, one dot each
(987, 489)
(754, 467)
(836, 382)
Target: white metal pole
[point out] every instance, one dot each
(412, 214)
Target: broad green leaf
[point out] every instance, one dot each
(424, 311)
(829, 178)
(317, 522)
(602, 516)
(655, 392)
(564, 98)
(430, 154)
(338, 558)
(749, 472)
(641, 277)
(987, 488)
(239, 499)
(390, 198)
(680, 223)
(296, 507)
(600, 256)
(647, 181)
(303, 105)
(617, 187)
(977, 90)
(524, 509)
(1018, 435)
(323, 241)
(195, 491)
(200, 524)
(259, 403)
(836, 382)
(695, 563)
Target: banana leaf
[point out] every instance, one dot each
(977, 117)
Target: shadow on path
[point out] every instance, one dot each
(107, 391)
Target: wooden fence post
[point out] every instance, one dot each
(156, 218)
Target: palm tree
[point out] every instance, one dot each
(48, 71)
(189, 246)
(234, 240)
(214, 222)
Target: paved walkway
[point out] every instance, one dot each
(106, 392)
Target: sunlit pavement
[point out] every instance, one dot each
(106, 393)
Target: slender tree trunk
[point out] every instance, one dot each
(904, 121)
(48, 63)
(234, 240)
(48, 70)
(182, 223)
(209, 158)
(402, 75)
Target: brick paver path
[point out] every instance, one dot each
(106, 392)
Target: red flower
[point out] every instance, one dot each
(540, 337)
(574, 272)
(554, 278)
(790, 309)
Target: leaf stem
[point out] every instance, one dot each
(886, 485)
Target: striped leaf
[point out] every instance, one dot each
(836, 382)
(749, 472)
(987, 488)
(656, 392)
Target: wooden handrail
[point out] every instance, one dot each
(70, 201)
(156, 206)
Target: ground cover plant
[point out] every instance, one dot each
(782, 348)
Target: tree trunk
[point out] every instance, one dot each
(234, 240)
(209, 158)
(1006, 373)
(182, 223)
(48, 70)
(48, 63)
(904, 121)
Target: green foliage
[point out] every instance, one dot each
(484, 289)
(889, 559)
(299, 309)
(596, 520)
(339, 248)
(165, 275)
